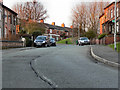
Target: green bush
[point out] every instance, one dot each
(28, 42)
(90, 34)
(102, 36)
(36, 33)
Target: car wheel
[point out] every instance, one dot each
(48, 45)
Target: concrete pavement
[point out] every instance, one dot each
(105, 54)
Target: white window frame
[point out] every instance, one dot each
(50, 30)
(117, 24)
(5, 16)
(5, 33)
(117, 11)
(111, 13)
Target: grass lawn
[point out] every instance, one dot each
(118, 46)
(69, 40)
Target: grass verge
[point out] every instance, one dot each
(118, 46)
(69, 41)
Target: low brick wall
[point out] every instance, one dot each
(106, 40)
(10, 44)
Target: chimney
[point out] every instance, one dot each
(41, 21)
(71, 27)
(53, 23)
(62, 25)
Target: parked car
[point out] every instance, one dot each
(42, 41)
(83, 41)
(52, 42)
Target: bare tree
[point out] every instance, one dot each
(30, 11)
(79, 16)
(87, 15)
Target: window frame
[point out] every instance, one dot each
(111, 13)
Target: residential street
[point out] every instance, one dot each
(63, 66)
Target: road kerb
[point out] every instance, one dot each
(103, 60)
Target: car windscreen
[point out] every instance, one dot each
(84, 38)
(52, 39)
(41, 38)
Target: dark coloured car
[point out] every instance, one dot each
(52, 42)
(42, 41)
(83, 41)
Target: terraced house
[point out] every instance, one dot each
(57, 32)
(1, 20)
(8, 20)
(107, 24)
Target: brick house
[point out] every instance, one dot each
(106, 22)
(57, 32)
(8, 22)
(1, 20)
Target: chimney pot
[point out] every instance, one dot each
(53, 23)
(62, 25)
(41, 21)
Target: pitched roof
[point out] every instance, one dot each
(66, 29)
(9, 9)
(111, 4)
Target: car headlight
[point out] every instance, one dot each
(82, 41)
(43, 42)
(34, 41)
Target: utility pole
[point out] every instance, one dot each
(115, 48)
(78, 30)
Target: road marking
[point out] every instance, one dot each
(41, 75)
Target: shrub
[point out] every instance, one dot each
(36, 33)
(90, 34)
(28, 42)
(102, 36)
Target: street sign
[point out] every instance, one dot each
(113, 20)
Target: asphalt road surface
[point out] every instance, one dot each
(63, 66)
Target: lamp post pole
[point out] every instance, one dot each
(115, 48)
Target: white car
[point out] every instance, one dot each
(83, 41)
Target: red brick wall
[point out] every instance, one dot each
(11, 44)
(110, 39)
(106, 40)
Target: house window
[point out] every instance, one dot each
(117, 12)
(111, 13)
(6, 16)
(50, 30)
(57, 32)
(117, 27)
(67, 33)
(5, 33)
(11, 19)
(14, 21)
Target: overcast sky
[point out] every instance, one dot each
(59, 11)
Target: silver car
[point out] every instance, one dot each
(83, 41)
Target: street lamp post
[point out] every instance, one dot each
(78, 30)
(115, 28)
